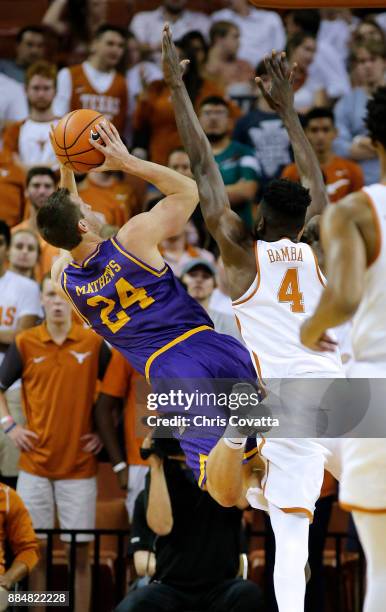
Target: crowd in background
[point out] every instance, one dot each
(50, 436)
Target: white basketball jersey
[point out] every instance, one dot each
(284, 294)
(369, 323)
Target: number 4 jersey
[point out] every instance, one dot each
(284, 294)
(138, 309)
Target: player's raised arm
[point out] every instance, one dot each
(224, 224)
(281, 100)
(346, 263)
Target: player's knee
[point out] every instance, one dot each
(225, 497)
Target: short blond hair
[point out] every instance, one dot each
(42, 68)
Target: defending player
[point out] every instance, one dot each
(353, 237)
(275, 282)
(124, 290)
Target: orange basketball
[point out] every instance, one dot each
(314, 4)
(71, 140)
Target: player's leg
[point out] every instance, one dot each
(372, 530)
(291, 539)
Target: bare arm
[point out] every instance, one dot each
(346, 263)
(159, 514)
(103, 412)
(25, 322)
(241, 191)
(281, 100)
(144, 562)
(223, 223)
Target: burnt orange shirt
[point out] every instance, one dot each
(58, 386)
(11, 136)
(155, 113)
(48, 253)
(16, 530)
(12, 185)
(342, 177)
(120, 381)
(108, 201)
(112, 103)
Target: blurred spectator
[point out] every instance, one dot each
(350, 112)
(147, 25)
(342, 176)
(263, 130)
(198, 546)
(336, 28)
(30, 49)
(301, 49)
(118, 394)
(41, 182)
(220, 299)
(177, 252)
(12, 186)
(196, 43)
(24, 253)
(328, 69)
(235, 75)
(199, 277)
(369, 30)
(13, 102)
(104, 193)
(140, 73)
(29, 140)
(76, 22)
(237, 162)
(59, 363)
(20, 309)
(155, 129)
(95, 83)
(260, 30)
(16, 534)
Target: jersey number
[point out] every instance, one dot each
(128, 295)
(289, 290)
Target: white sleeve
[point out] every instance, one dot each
(18, 106)
(279, 41)
(62, 100)
(138, 27)
(30, 302)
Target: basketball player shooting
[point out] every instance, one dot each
(353, 238)
(275, 283)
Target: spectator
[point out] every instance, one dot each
(177, 252)
(104, 193)
(350, 112)
(197, 550)
(235, 75)
(260, 30)
(263, 131)
(96, 83)
(140, 73)
(155, 129)
(13, 102)
(41, 183)
(237, 163)
(20, 309)
(59, 363)
(342, 176)
(196, 43)
(76, 22)
(29, 140)
(16, 534)
(369, 30)
(328, 69)
(301, 49)
(148, 25)
(199, 277)
(119, 391)
(24, 253)
(12, 187)
(335, 30)
(30, 49)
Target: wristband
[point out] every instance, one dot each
(119, 467)
(6, 419)
(10, 428)
(235, 443)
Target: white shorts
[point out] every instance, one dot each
(73, 499)
(363, 483)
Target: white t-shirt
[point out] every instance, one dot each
(260, 32)
(34, 143)
(13, 102)
(100, 81)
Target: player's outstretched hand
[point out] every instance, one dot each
(112, 147)
(172, 68)
(280, 97)
(316, 341)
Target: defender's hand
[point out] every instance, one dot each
(172, 68)
(281, 95)
(316, 340)
(112, 147)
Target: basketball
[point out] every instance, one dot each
(315, 4)
(71, 140)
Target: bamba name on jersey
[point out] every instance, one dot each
(285, 254)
